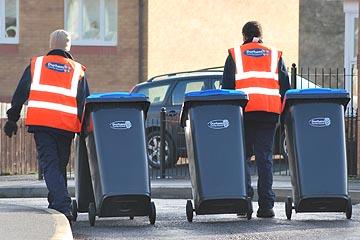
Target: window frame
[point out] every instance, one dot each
(86, 42)
(4, 40)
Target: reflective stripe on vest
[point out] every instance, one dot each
(52, 100)
(258, 77)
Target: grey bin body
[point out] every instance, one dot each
(117, 159)
(315, 135)
(83, 189)
(216, 154)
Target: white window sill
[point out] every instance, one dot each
(3, 41)
(93, 43)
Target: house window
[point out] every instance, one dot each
(92, 22)
(9, 21)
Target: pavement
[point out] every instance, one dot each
(28, 186)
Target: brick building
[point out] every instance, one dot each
(109, 38)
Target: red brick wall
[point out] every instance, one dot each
(108, 68)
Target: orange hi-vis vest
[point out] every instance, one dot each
(52, 100)
(257, 75)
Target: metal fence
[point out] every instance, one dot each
(18, 154)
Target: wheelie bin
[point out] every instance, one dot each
(84, 194)
(114, 131)
(315, 136)
(214, 135)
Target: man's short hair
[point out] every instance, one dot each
(252, 29)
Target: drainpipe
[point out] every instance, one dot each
(143, 21)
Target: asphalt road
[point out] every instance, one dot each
(171, 223)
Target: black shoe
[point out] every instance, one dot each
(265, 213)
(70, 218)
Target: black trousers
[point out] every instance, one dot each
(53, 155)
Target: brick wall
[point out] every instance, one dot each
(108, 68)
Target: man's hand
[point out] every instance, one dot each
(10, 128)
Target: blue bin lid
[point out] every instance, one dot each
(316, 93)
(331, 95)
(215, 94)
(116, 97)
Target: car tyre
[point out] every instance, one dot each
(153, 149)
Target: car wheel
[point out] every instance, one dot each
(283, 147)
(153, 149)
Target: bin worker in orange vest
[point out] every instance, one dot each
(55, 88)
(259, 71)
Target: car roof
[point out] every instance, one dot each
(200, 72)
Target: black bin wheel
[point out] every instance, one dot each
(152, 213)
(288, 207)
(74, 209)
(92, 214)
(348, 209)
(131, 217)
(249, 209)
(189, 211)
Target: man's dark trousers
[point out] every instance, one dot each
(259, 138)
(53, 155)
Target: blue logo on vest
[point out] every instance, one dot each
(58, 67)
(256, 52)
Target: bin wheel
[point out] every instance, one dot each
(249, 211)
(74, 209)
(288, 207)
(92, 214)
(348, 209)
(189, 211)
(131, 217)
(152, 213)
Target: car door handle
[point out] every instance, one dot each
(172, 113)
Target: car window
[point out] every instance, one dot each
(217, 84)
(156, 94)
(183, 87)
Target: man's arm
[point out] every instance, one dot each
(20, 96)
(82, 93)
(283, 78)
(228, 80)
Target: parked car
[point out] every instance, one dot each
(168, 91)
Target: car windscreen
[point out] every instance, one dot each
(156, 94)
(190, 85)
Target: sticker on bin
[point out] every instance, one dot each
(219, 124)
(120, 125)
(320, 122)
